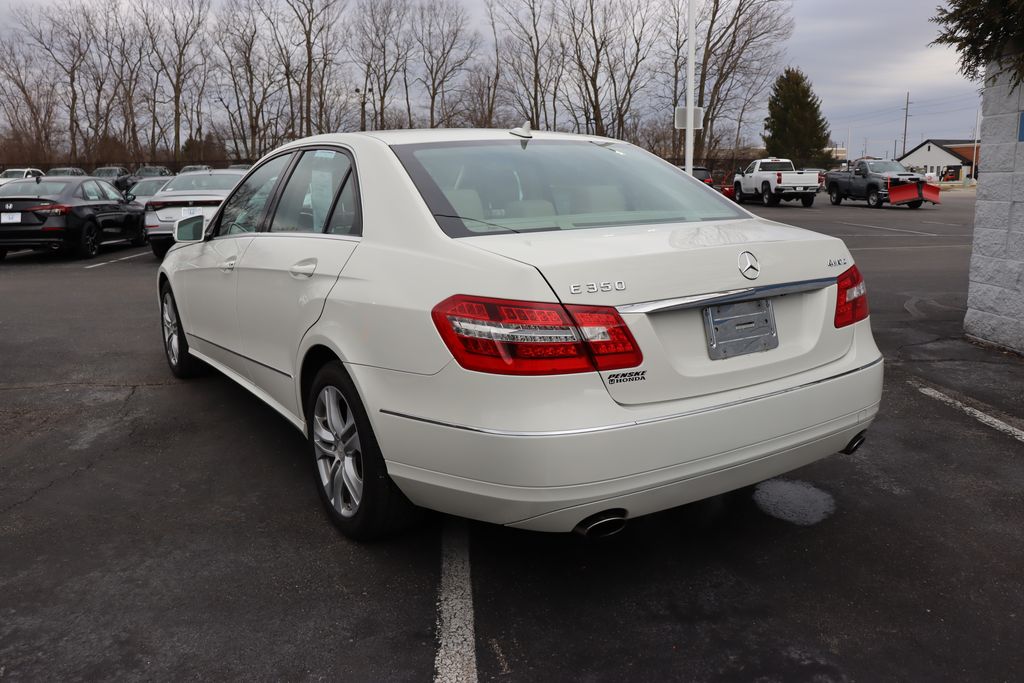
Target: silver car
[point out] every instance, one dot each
(144, 189)
(184, 195)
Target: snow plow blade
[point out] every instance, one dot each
(912, 192)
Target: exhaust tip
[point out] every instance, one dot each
(855, 443)
(603, 524)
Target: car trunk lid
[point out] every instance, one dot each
(645, 271)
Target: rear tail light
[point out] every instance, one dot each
(154, 206)
(778, 178)
(851, 298)
(533, 338)
(50, 210)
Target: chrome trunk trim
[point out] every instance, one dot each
(729, 296)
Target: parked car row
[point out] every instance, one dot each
(73, 214)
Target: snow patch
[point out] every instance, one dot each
(796, 502)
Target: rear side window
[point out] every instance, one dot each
(308, 197)
(109, 192)
(243, 211)
(91, 191)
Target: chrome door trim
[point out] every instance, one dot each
(635, 423)
(728, 296)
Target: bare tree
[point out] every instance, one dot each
(483, 82)
(176, 32)
(532, 57)
(381, 50)
(445, 45)
(28, 101)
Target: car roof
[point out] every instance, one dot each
(426, 135)
(214, 171)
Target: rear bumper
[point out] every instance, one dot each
(550, 481)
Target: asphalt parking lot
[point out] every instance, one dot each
(158, 529)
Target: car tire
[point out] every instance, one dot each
(807, 200)
(159, 250)
(874, 199)
(834, 197)
(351, 478)
(183, 364)
(915, 204)
(140, 237)
(737, 193)
(767, 198)
(88, 241)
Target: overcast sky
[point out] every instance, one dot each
(862, 57)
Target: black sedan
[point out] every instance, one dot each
(67, 214)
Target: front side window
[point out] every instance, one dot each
(243, 210)
(750, 169)
(494, 187)
(309, 195)
(14, 173)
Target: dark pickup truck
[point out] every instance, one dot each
(880, 181)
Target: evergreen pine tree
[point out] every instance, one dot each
(795, 128)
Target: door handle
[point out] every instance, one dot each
(303, 268)
(228, 264)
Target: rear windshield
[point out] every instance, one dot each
(776, 165)
(202, 181)
(494, 187)
(886, 167)
(30, 188)
(147, 188)
(13, 173)
(701, 173)
(106, 172)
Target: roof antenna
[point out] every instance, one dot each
(523, 131)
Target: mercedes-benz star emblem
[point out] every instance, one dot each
(748, 265)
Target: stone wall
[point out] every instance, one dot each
(995, 298)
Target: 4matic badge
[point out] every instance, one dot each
(620, 377)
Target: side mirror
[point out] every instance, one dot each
(190, 229)
(739, 171)
(858, 171)
(129, 198)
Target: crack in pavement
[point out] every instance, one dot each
(88, 466)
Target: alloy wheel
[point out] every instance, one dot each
(169, 320)
(339, 457)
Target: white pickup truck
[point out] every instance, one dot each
(774, 180)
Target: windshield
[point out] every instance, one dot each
(494, 187)
(202, 181)
(13, 173)
(776, 165)
(106, 172)
(30, 188)
(886, 167)
(147, 188)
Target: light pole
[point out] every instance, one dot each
(691, 55)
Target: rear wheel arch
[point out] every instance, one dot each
(315, 358)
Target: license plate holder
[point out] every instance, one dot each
(10, 217)
(189, 211)
(736, 329)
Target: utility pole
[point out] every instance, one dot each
(849, 141)
(906, 115)
(974, 154)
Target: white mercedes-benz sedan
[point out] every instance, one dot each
(542, 330)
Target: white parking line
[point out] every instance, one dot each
(879, 227)
(955, 225)
(455, 661)
(125, 258)
(981, 417)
